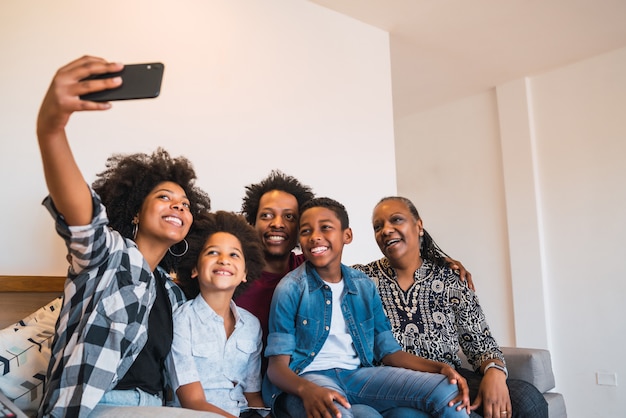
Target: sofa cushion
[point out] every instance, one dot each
(530, 364)
(24, 356)
(151, 412)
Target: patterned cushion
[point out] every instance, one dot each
(24, 356)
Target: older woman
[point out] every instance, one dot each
(433, 314)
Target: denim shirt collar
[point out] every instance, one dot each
(316, 282)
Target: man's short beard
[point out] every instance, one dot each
(276, 257)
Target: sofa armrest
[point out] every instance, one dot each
(533, 365)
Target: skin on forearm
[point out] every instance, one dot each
(65, 182)
(283, 377)
(409, 361)
(254, 399)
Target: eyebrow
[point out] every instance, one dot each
(322, 221)
(171, 192)
(208, 247)
(278, 208)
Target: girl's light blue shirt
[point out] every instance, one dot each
(226, 367)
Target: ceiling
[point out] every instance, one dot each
(442, 50)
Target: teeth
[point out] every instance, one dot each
(275, 238)
(318, 250)
(174, 219)
(391, 241)
(223, 273)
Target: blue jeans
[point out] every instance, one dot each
(382, 388)
(291, 406)
(131, 397)
(124, 398)
(404, 412)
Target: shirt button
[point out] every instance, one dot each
(304, 322)
(312, 354)
(327, 327)
(328, 302)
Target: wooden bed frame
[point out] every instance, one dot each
(22, 295)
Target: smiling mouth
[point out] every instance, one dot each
(276, 239)
(222, 273)
(318, 250)
(391, 242)
(174, 220)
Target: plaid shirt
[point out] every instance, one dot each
(103, 324)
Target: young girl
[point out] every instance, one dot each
(215, 363)
(115, 328)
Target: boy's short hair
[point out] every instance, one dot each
(276, 180)
(203, 227)
(328, 203)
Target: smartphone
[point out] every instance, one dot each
(139, 81)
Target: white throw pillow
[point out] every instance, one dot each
(24, 356)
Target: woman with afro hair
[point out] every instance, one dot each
(124, 235)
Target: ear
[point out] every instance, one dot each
(245, 277)
(420, 227)
(194, 273)
(347, 235)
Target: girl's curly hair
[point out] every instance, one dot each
(128, 179)
(276, 180)
(204, 226)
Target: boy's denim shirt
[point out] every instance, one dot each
(300, 320)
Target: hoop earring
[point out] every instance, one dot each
(135, 228)
(184, 251)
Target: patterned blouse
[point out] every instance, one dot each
(436, 316)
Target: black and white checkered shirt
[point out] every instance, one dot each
(103, 324)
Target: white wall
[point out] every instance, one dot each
(581, 158)
(249, 86)
(449, 164)
(525, 185)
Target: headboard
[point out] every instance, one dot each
(22, 295)
(31, 283)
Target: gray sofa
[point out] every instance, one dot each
(534, 365)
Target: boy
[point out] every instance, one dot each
(215, 362)
(327, 329)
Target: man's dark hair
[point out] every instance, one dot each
(276, 180)
(328, 203)
(128, 179)
(202, 229)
